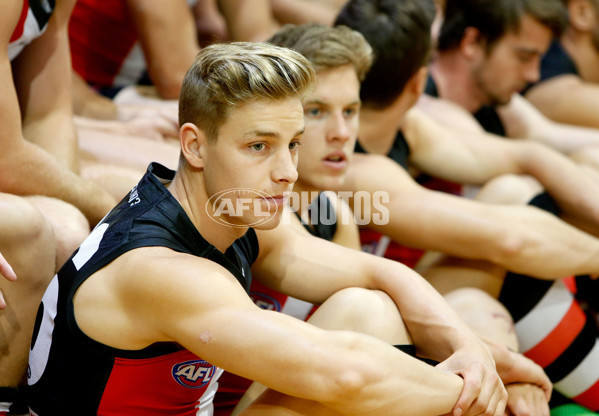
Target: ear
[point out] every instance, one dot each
(193, 143)
(582, 15)
(471, 44)
(417, 83)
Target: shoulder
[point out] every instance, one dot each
(442, 111)
(161, 274)
(139, 297)
(371, 169)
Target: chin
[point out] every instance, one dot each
(333, 184)
(266, 223)
(265, 226)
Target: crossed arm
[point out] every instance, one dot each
(168, 296)
(475, 157)
(578, 100)
(523, 120)
(307, 267)
(519, 238)
(43, 147)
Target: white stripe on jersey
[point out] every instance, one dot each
(297, 308)
(582, 377)
(553, 306)
(89, 246)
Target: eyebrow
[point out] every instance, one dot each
(357, 102)
(529, 51)
(271, 134)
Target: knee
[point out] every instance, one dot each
(485, 315)
(27, 242)
(368, 311)
(68, 223)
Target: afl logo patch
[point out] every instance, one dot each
(194, 374)
(265, 302)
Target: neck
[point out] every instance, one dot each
(378, 127)
(454, 82)
(306, 193)
(192, 197)
(584, 53)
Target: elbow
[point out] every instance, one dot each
(344, 387)
(168, 90)
(508, 250)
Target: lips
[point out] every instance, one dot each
(278, 200)
(335, 160)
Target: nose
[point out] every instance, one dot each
(532, 72)
(285, 167)
(338, 129)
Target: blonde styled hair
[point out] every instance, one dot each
(327, 47)
(224, 76)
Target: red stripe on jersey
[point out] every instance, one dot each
(371, 242)
(18, 32)
(570, 283)
(589, 398)
(556, 342)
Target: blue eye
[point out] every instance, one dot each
(258, 147)
(314, 112)
(349, 112)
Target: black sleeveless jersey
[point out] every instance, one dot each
(399, 152)
(70, 373)
(322, 218)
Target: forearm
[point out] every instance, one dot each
(56, 134)
(567, 138)
(88, 103)
(354, 374)
(45, 176)
(168, 38)
(521, 239)
(576, 192)
(248, 20)
(302, 11)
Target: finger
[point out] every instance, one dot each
(524, 407)
(6, 269)
(470, 393)
(492, 397)
(498, 402)
(541, 404)
(167, 130)
(2, 302)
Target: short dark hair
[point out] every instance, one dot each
(399, 32)
(493, 19)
